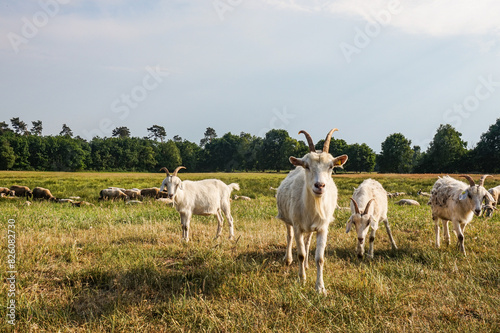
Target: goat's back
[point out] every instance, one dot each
(371, 189)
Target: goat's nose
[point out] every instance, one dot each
(361, 239)
(319, 185)
(478, 211)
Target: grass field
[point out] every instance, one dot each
(123, 268)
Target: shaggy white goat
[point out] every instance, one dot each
(306, 200)
(373, 198)
(203, 197)
(490, 206)
(453, 200)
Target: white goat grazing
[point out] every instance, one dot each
(204, 197)
(372, 196)
(491, 205)
(306, 200)
(453, 200)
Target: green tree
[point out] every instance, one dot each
(167, 155)
(396, 155)
(208, 136)
(487, 151)
(361, 158)
(121, 132)
(19, 126)
(37, 128)
(4, 128)
(445, 151)
(277, 148)
(66, 131)
(190, 153)
(7, 155)
(157, 132)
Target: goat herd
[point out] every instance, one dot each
(306, 200)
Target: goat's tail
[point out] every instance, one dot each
(234, 186)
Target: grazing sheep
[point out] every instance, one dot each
(242, 197)
(409, 202)
(133, 193)
(21, 191)
(133, 202)
(64, 200)
(422, 193)
(151, 192)
(306, 201)
(203, 197)
(7, 192)
(453, 200)
(112, 194)
(490, 206)
(162, 194)
(372, 197)
(43, 193)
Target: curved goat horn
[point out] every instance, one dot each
(326, 146)
(177, 170)
(356, 208)
(469, 178)
(309, 141)
(165, 169)
(368, 206)
(481, 181)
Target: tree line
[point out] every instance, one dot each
(23, 148)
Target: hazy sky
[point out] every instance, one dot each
(370, 68)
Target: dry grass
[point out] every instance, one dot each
(122, 268)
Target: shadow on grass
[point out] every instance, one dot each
(99, 292)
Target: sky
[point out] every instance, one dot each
(369, 68)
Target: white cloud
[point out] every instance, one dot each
(429, 17)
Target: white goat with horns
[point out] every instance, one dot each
(453, 200)
(306, 200)
(203, 197)
(373, 198)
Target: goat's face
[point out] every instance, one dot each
(173, 183)
(475, 195)
(318, 170)
(361, 222)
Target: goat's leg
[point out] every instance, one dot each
(301, 254)
(307, 245)
(460, 236)
(185, 220)
(289, 241)
(220, 223)
(436, 230)
(389, 233)
(230, 221)
(446, 232)
(371, 241)
(321, 238)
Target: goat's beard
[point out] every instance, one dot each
(319, 207)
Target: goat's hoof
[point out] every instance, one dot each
(321, 290)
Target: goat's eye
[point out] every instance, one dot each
(306, 167)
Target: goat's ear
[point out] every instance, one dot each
(296, 161)
(373, 224)
(339, 161)
(463, 195)
(349, 225)
(181, 186)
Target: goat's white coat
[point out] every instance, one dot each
(455, 201)
(203, 197)
(304, 211)
(369, 191)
